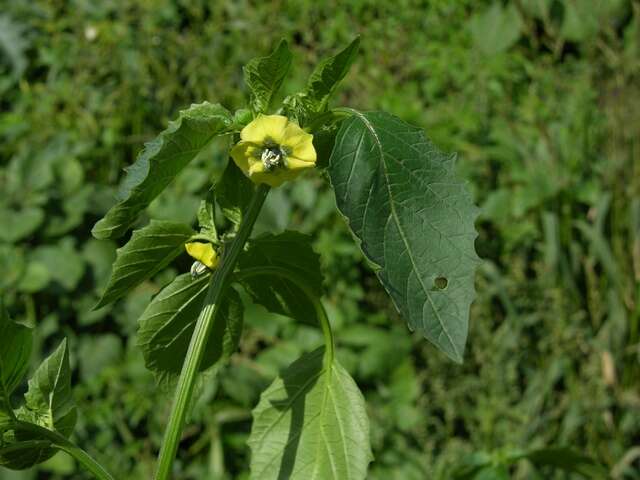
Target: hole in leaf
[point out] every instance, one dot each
(441, 283)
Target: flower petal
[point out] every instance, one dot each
(242, 153)
(265, 128)
(203, 252)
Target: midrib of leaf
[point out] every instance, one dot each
(176, 311)
(394, 214)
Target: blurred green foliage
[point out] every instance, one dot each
(541, 98)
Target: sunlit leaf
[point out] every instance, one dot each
(414, 220)
(310, 423)
(264, 76)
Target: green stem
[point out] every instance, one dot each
(301, 284)
(330, 116)
(186, 383)
(61, 443)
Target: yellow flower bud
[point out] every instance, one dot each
(272, 149)
(204, 253)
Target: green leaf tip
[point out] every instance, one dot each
(159, 163)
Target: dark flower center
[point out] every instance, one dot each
(273, 157)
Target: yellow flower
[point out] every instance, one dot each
(204, 253)
(273, 149)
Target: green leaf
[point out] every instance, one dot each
(288, 252)
(207, 216)
(160, 161)
(414, 220)
(310, 423)
(497, 29)
(49, 401)
(18, 224)
(233, 192)
(150, 250)
(326, 76)
(15, 350)
(264, 76)
(49, 404)
(167, 324)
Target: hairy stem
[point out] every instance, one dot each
(61, 443)
(301, 284)
(186, 383)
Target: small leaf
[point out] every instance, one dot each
(414, 220)
(310, 423)
(233, 192)
(167, 324)
(15, 350)
(160, 161)
(49, 401)
(290, 252)
(149, 250)
(18, 224)
(326, 76)
(264, 76)
(207, 216)
(49, 404)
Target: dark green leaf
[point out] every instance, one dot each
(289, 252)
(310, 423)
(160, 161)
(264, 76)
(326, 76)
(414, 220)
(17, 224)
(207, 216)
(150, 250)
(167, 324)
(233, 192)
(49, 404)
(49, 401)
(15, 351)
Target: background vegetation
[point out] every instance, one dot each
(541, 98)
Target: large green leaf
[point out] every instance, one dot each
(233, 192)
(264, 76)
(167, 324)
(150, 250)
(49, 404)
(287, 252)
(311, 423)
(160, 161)
(414, 220)
(15, 350)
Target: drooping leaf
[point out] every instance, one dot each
(149, 250)
(290, 252)
(49, 404)
(15, 350)
(167, 324)
(160, 161)
(233, 192)
(326, 76)
(414, 220)
(264, 76)
(310, 423)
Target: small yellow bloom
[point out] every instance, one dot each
(272, 149)
(204, 253)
